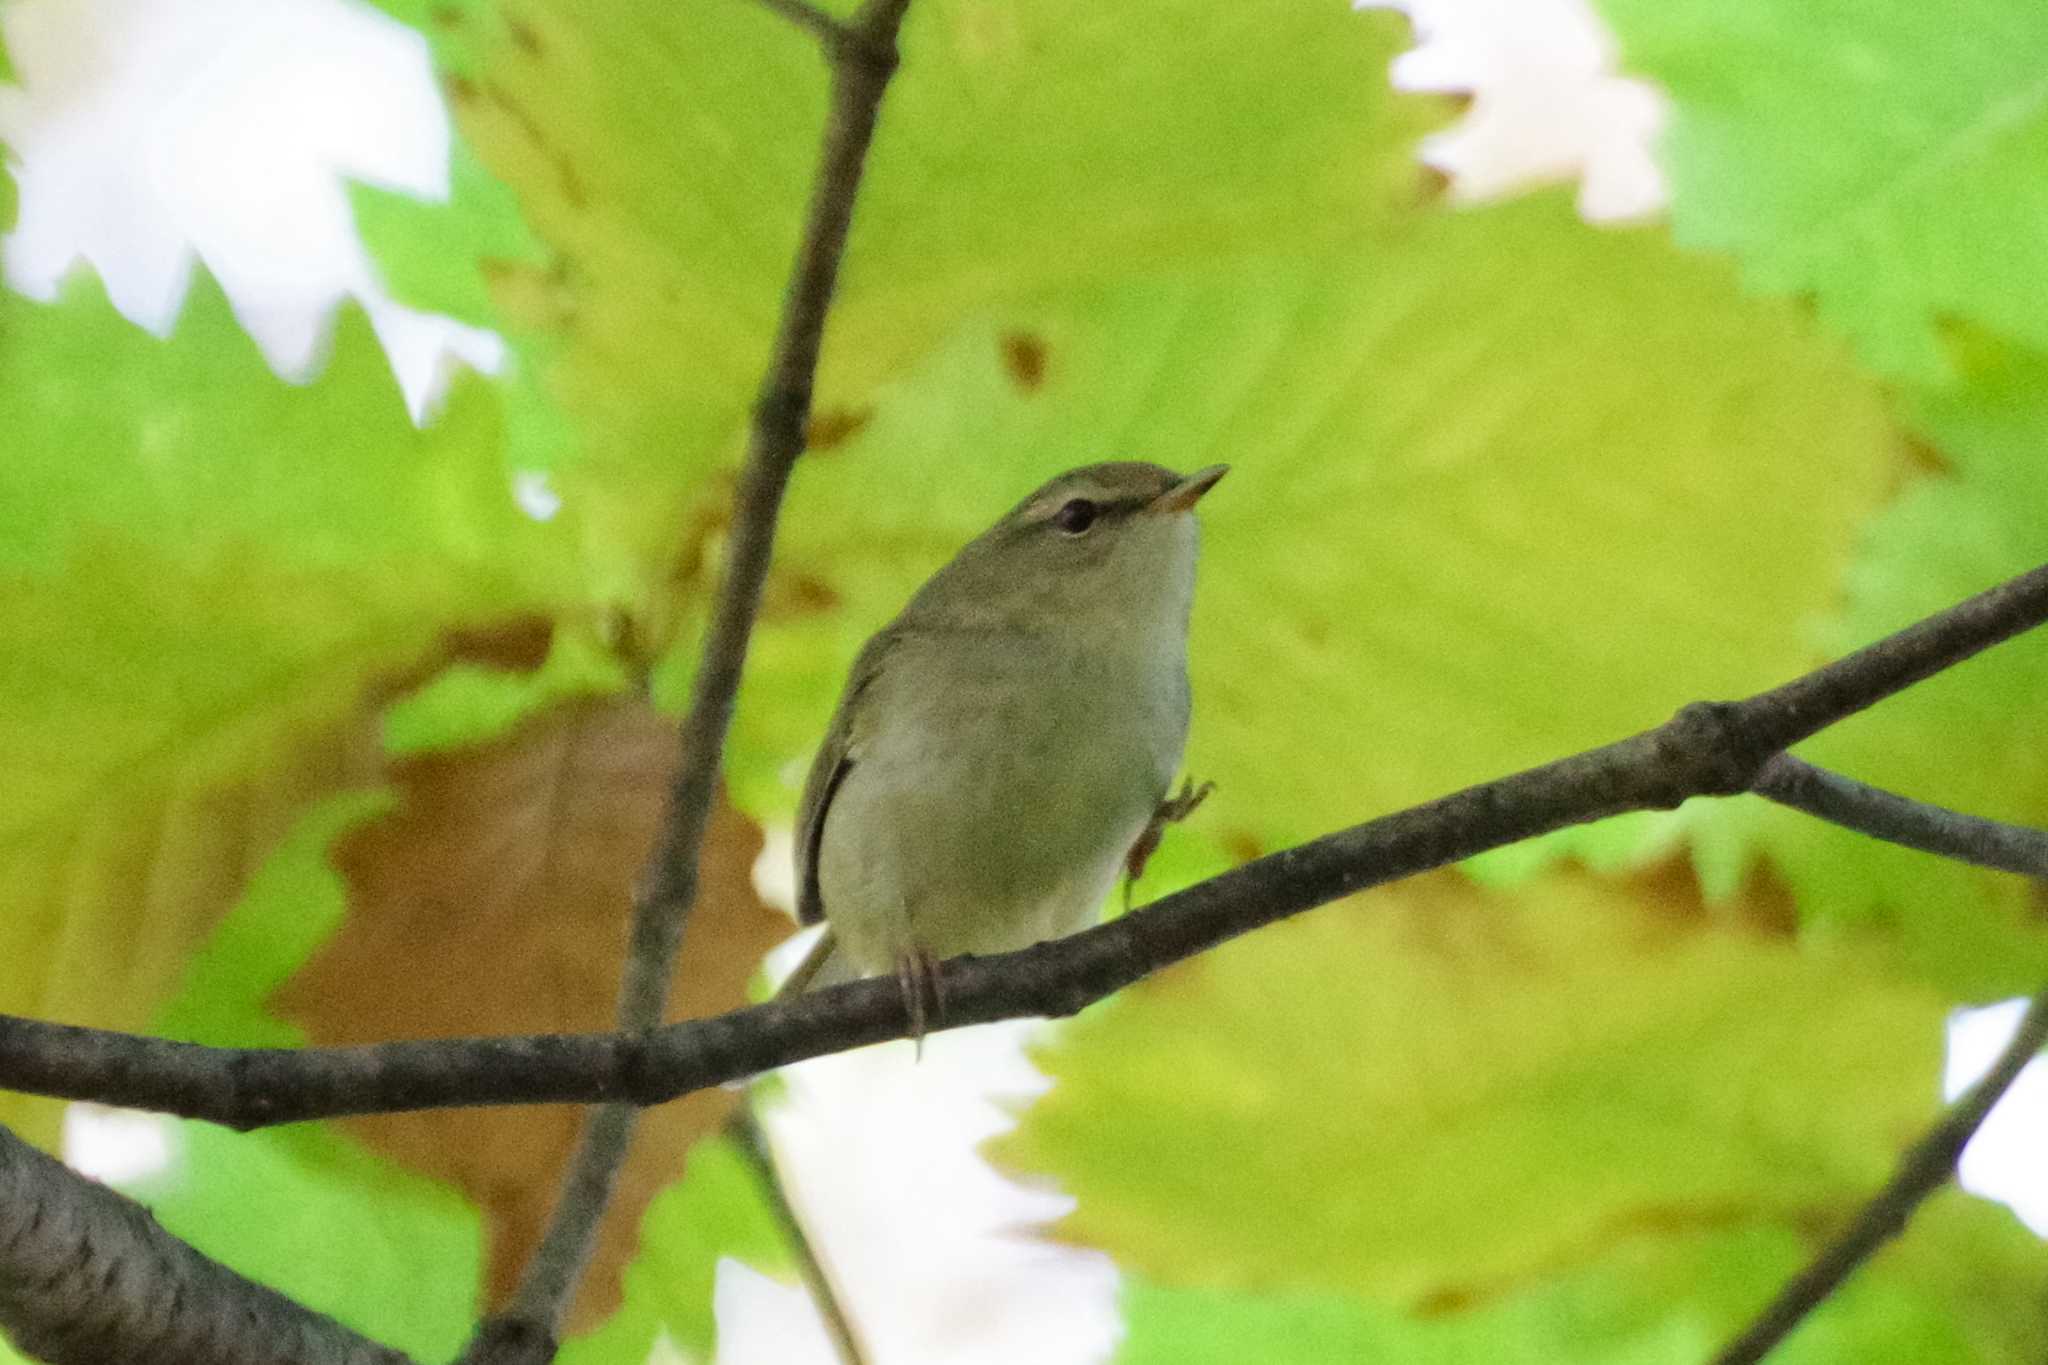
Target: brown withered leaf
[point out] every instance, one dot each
(495, 898)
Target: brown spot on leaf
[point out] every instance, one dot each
(1669, 893)
(524, 35)
(1431, 184)
(1925, 458)
(517, 645)
(1452, 105)
(1243, 846)
(1024, 358)
(1445, 1300)
(445, 17)
(571, 182)
(521, 117)
(495, 898)
(2037, 900)
(795, 594)
(836, 426)
(542, 297)
(461, 89)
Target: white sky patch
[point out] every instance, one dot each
(932, 1249)
(148, 131)
(775, 868)
(2004, 1161)
(1548, 103)
(115, 1146)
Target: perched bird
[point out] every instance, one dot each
(1006, 745)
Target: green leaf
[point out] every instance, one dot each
(1914, 223)
(292, 904)
(715, 1211)
(1889, 160)
(435, 256)
(1961, 1288)
(202, 569)
(1592, 1318)
(322, 1221)
(635, 139)
(10, 195)
(1435, 1089)
(1501, 486)
(1966, 738)
(306, 1210)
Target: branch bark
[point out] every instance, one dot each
(88, 1276)
(1717, 748)
(1884, 815)
(863, 57)
(1928, 1165)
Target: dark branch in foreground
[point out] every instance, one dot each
(88, 1276)
(1928, 1165)
(1883, 815)
(1715, 748)
(862, 52)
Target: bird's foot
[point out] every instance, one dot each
(1171, 811)
(917, 975)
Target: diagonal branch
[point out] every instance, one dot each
(862, 53)
(1883, 815)
(1716, 748)
(1928, 1165)
(87, 1276)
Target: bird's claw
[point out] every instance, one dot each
(1171, 811)
(917, 975)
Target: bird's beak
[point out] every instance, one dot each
(1188, 491)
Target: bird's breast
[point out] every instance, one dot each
(1004, 780)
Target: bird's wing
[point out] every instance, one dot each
(834, 761)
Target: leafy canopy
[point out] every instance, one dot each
(1506, 486)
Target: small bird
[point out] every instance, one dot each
(1006, 745)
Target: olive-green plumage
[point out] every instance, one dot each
(1003, 742)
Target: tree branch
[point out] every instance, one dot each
(1715, 748)
(88, 1276)
(1882, 815)
(863, 57)
(750, 1140)
(1928, 1165)
(808, 16)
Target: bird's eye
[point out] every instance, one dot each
(1075, 516)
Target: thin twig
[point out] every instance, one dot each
(1928, 1164)
(862, 53)
(88, 1276)
(1884, 815)
(1706, 749)
(751, 1141)
(808, 16)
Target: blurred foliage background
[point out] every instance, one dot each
(315, 733)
